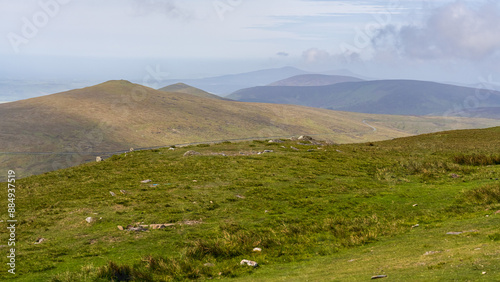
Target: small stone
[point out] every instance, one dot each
(120, 227)
(415, 205)
(351, 260)
(112, 194)
(89, 219)
(191, 153)
(139, 228)
(379, 276)
(268, 151)
(171, 149)
(454, 233)
(483, 273)
(416, 225)
(123, 192)
(257, 250)
(98, 159)
(208, 264)
(431, 253)
(305, 137)
(160, 226)
(39, 240)
(249, 263)
(240, 197)
(293, 148)
(131, 149)
(146, 181)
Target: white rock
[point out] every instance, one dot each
(257, 250)
(249, 263)
(89, 219)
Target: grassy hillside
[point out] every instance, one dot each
(396, 97)
(318, 212)
(186, 89)
(118, 115)
(314, 80)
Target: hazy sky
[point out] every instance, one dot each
(112, 39)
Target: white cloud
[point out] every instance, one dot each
(454, 31)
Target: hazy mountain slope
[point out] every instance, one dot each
(398, 97)
(186, 89)
(314, 80)
(227, 84)
(118, 115)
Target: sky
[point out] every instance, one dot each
(440, 40)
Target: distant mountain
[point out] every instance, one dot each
(114, 116)
(314, 80)
(396, 97)
(186, 89)
(484, 112)
(227, 84)
(14, 90)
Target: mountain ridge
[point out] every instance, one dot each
(314, 80)
(396, 97)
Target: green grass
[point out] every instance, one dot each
(309, 211)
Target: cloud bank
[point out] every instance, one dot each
(454, 31)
